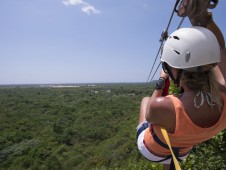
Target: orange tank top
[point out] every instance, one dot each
(186, 134)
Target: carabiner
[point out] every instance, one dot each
(176, 5)
(213, 4)
(164, 36)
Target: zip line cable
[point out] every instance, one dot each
(161, 46)
(181, 22)
(154, 63)
(156, 70)
(164, 35)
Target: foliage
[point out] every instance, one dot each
(78, 128)
(173, 89)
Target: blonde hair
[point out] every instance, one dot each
(205, 81)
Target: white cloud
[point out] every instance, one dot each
(72, 2)
(90, 10)
(85, 7)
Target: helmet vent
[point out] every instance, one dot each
(176, 37)
(176, 52)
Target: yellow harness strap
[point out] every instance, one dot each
(166, 137)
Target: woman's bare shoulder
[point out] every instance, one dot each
(161, 103)
(162, 112)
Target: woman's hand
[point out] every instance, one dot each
(197, 11)
(186, 8)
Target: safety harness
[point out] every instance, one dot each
(174, 150)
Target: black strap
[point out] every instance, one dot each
(172, 166)
(143, 127)
(177, 81)
(176, 150)
(157, 140)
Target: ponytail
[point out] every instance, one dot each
(204, 81)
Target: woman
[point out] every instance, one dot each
(189, 58)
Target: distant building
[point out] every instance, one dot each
(94, 91)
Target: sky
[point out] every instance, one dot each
(84, 41)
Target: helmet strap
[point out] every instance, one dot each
(177, 80)
(169, 72)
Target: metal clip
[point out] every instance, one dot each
(164, 36)
(213, 4)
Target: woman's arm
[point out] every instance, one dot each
(220, 69)
(212, 26)
(160, 109)
(197, 12)
(205, 19)
(157, 93)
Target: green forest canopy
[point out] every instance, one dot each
(85, 127)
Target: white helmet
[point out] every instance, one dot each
(188, 48)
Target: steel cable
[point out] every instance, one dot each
(164, 36)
